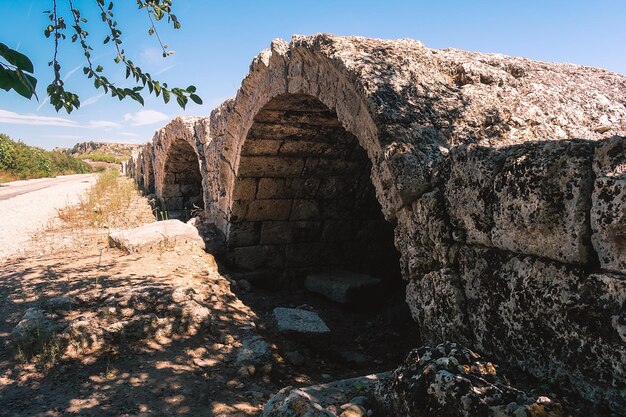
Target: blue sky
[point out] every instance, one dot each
(218, 40)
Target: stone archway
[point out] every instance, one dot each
(303, 199)
(181, 192)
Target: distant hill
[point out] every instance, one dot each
(101, 154)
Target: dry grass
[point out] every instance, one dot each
(109, 203)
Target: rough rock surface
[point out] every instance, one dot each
(502, 159)
(452, 381)
(150, 236)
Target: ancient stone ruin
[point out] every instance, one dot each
(494, 186)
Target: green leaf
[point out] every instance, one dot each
(191, 89)
(16, 58)
(99, 68)
(182, 101)
(6, 81)
(166, 96)
(196, 99)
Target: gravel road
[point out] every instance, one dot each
(28, 206)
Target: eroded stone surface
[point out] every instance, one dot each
(168, 233)
(450, 380)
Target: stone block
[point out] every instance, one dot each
(531, 198)
(245, 189)
(551, 319)
(313, 148)
(303, 322)
(342, 286)
(276, 232)
(306, 231)
(270, 166)
(261, 210)
(244, 234)
(437, 303)
(608, 211)
(322, 167)
(469, 191)
(260, 147)
(257, 257)
(334, 187)
(305, 210)
(542, 200)
(302, 254)
(154, 235)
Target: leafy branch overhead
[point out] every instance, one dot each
(17, 72)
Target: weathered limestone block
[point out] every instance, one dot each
(423, 236)
(270, 166)
(542, 200)
(532, 198)
(469, 192)
(450, 380)
(549, 318)
(608, 212)
(257, 257)
(260, 210)
(154, 235)
(437, 303)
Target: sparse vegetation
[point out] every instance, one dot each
(104, 204)
(21, 161)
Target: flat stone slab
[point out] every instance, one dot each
(340, 286)
(295, 320)
(149, 236)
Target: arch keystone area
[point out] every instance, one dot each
(500, 181)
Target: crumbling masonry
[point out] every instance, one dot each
(501, 181)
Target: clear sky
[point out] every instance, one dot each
(218, 40)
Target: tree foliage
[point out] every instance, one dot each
(23, 161)
(16, 69)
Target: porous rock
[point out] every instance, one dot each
(165, 234)
(450, 380)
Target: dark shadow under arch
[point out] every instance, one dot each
(181, 193)
(303, 200)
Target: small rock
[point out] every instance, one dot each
(293, 320)
(255, 351)
(353, 410)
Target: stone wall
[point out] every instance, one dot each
(503, 179)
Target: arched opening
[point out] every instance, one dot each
(303, 200)
(181, 193)
(304, 215)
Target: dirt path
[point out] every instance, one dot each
(29, 206)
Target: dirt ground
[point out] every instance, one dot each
(166, 373)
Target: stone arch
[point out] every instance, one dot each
(301, 89)
(283, 71)
(178, 168)
(303, 200)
